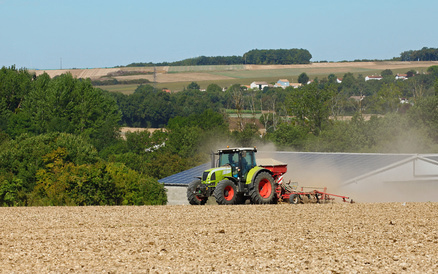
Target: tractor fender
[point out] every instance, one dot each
(252, 174)
(233, 179)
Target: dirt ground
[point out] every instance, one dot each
(340, 238)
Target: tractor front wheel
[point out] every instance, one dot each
(225, 193)
(191, 194)
(262, 190)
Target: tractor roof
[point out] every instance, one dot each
(236, 149)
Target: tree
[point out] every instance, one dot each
(332, 78)
(289, 136)
(387, 99)
(303, 78)
(14, 86)
(66, 104)
(311, 106)
(386, 72)
(193, 85)
(214, 88)
(433, 70)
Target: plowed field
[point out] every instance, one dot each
(346, 238)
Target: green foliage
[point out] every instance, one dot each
(11, 192)
(425, 54)
(193, 85)
(63, 104)
(387, 99)
(289, 136)
(214, 88)
(278, 56)
(14, 86)
(255, 56)
(303, 78)
(433, 70)
(63, 169)
(386, 72)
(311, 106)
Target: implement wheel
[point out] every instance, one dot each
(225, 193)
(262, 190)
(191, 194)
(294, 199)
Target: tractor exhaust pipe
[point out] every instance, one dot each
(213, 160)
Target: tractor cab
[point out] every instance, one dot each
(241, 160)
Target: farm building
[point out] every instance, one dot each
(367, 78)
(282, 83)
(259, 85)
(363, 177)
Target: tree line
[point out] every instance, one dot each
(424, 54)
(254, 57)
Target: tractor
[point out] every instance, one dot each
(235, 177)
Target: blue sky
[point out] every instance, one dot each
(94, 33)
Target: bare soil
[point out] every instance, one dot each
(340, 238)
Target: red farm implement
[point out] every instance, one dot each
(288, 191)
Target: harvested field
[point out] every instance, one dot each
(385, 238)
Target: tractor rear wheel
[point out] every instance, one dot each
(191, 194)
(225, 193)
(262, 190)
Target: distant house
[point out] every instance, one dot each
(246, 86)
(373, 77)
(338, 80)
(295, 85)
(401, 76)
(259, 85)
(282, 83)
(166, 90)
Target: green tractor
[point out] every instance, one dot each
(234, 178)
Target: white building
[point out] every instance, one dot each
(259, 85)
(373, 77)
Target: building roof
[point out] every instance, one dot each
(185, 177)
(314, 168)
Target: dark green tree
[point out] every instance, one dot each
(193, 85)
(70, 105)
(386, 72)
(303, 78)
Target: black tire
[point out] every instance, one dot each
(191, 194)
(225, 193)
(262, 190)
(294, 199)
